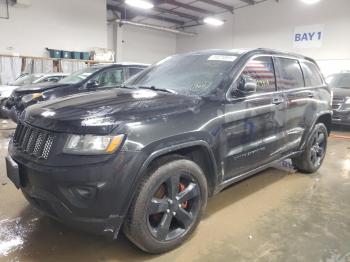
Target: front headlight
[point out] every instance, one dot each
(28, 98)
(92, 145)
(347, 101)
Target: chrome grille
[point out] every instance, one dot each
(33, 141)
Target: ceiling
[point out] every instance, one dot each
(176, 13)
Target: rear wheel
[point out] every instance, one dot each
(168, 206)
(312, 157)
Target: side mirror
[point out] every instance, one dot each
(92, 84)
(247, 85)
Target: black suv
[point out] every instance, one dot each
(145, 157)
(340, 84)
(98, 77)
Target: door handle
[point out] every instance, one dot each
(277, 101)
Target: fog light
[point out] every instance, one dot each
(85, 192)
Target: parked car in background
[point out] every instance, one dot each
(98, 77)
(146, 156)
(26, 79)
(340, 84)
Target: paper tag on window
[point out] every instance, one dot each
(225, 58)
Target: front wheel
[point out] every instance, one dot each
(168, 206)
(312, 157)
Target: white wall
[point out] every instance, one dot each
(271, 24)
(135, 44)
(76, 25)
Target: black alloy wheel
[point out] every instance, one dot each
(174, 206)
(315, 150)
(168, 205)
(318, 148)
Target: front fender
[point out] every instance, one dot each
(154, 152)
(309, 128)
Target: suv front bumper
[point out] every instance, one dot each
(93, 198)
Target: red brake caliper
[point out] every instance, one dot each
(182, 187)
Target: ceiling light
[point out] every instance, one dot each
(310, 2)
(139, 4)
(213, 21)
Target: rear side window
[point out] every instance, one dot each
(289, 74)
(311, 74)
(261, 69)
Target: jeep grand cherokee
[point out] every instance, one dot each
(145, 157)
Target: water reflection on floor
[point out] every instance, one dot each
(276, 215)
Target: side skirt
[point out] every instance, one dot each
(240, 177)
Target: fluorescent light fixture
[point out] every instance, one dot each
(310, 2)
(213, 21)
(139, 4)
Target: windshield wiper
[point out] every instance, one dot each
(127, 87)
(157, 89)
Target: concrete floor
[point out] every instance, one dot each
(273, 216)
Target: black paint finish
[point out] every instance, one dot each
(232, 136)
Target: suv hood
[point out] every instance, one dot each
(37, 88)
(101, 112)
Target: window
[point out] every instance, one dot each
(289, 74)
(193, 74)
(134, 70)
(261, 69)
(51, 79)
(311, 74)
(111, 78)
(79, 76)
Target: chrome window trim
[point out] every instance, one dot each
(232, 99)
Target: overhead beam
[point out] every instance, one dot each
(217, 4)
(128, 14)
(167, 11)
(174, 12)
(249, 2)
(185, 6)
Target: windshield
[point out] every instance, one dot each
(191, 74)
(79, 76)
(25, 80)
(339, 81)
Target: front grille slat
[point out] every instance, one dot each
(47, 147)
(33, 141)
(18, 130)
(24, 136)
(39, 144)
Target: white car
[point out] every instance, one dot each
(6, 90)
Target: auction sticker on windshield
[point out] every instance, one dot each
(226, 58)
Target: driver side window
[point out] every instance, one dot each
(261, 71)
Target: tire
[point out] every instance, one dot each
(313, 155)
(158, 221)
